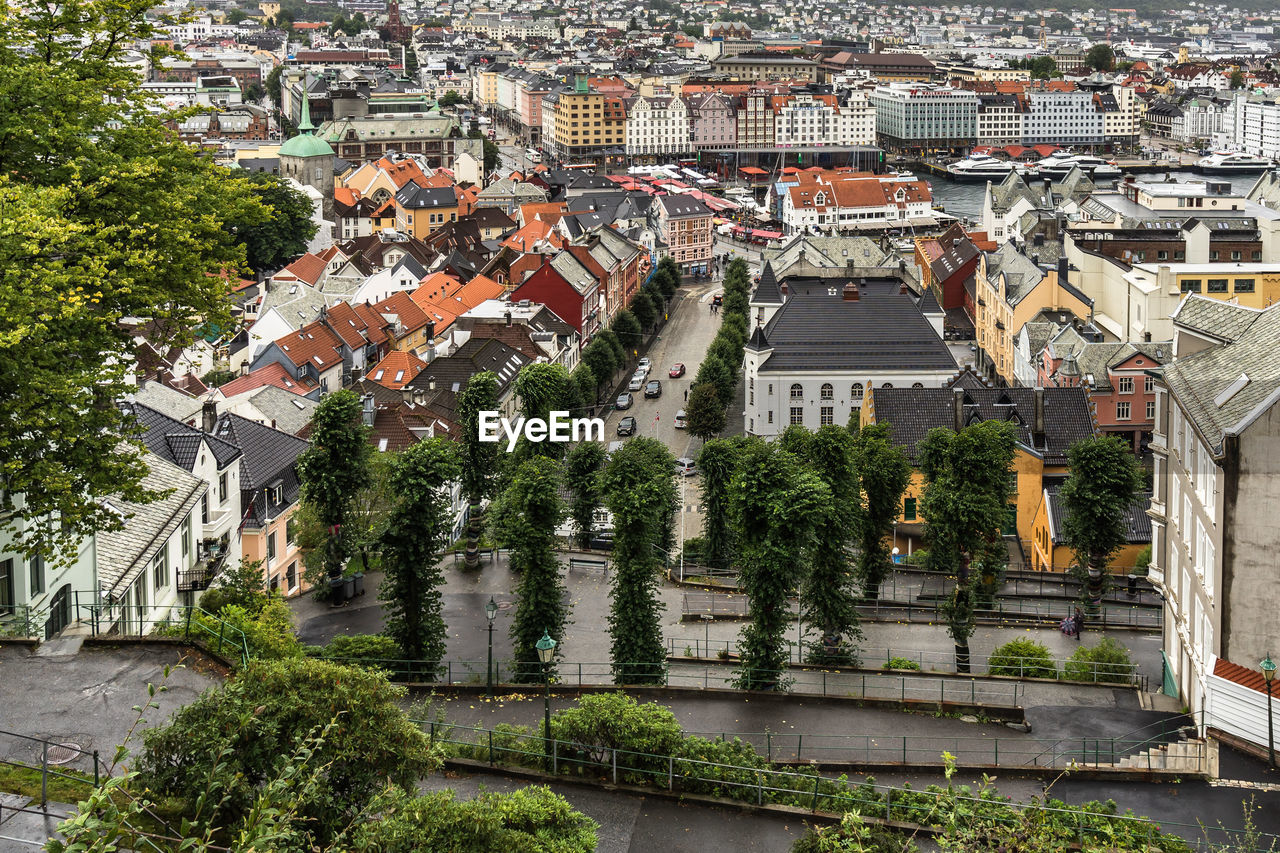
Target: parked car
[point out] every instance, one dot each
(624, 400)
(636, 383)
(645, 363)
(676, 370)
(627, 426)
(686, 467)
(681, 423)
(653, 389)
(643, 370)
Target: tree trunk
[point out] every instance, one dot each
(963, 606)
(473, 535)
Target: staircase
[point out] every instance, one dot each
(1193, 756)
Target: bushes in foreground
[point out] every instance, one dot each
(1022, 659)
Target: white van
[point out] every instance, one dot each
(533, 155)
(681, 423)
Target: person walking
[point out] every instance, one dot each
(1079, 622)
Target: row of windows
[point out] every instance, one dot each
(1216, 285)
(1125, 384)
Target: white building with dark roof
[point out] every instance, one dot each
(820, 341)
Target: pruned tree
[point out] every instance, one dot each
(643, 309)
(827, 598)
(1103, 483)
(331, 472)
(704, 414)
(639, 490)
(774, 502)
(965, 504)
(720, 376)
(478, 460)
(417, 533)
(717, 461)
(526, 516)
(582, 474)
(883, 475)
(627, 328)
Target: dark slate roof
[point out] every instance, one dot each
(1136, 521)
(767, 288)
(451, 372)
(912, 412)
(415, 197)
(270, 458)
(817, 329)
(176, 442)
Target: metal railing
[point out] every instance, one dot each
(46, 755)
(23, 620)
(190, 623)
(1041, 612)
(930, 661)
(924, 688)
(762, 783)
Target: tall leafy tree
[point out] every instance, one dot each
(883, 475)
(332, 470)
(720, 376)
(544, 388)
(1103, 483)
(588, 389)
(965, 504)
(827, 597)
(774, 502)
(478, 459)
(727, 348)
(417, 532)
(599, 358)
(620, 353)
(627, 328)
(639, 489)
(717, 461)
(108, 220)
(272, 243)
(642, 308)
(1100, 57)
(526, 516)
(582, 474)
(673, 278)
(704, 413)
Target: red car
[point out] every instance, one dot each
(677, 370)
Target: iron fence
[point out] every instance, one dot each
(765, 783)
(34, 753)
(931, 661)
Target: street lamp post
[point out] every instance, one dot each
(1268, 674)
(490, 613)
(546, 651)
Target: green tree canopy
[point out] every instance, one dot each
(478, 460)
(628, 330)
(243, 732)
(718, 460)
(704, 413)
(1100, 57)
(108, 217)
(721, 377)
(272, 243)
(643, 310)
(333, 470)
(965, 505)
(1103, 483)
(582, 474)
(883, 474)
(526, 517)
(774, 502)
(417, 532)
(639, 490)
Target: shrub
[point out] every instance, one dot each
(1022, 659)
(518, 745)
(1106, 663)
(603, 722)
(742, 757)
(269, 632)
(1142, 563)
(902, 663)
(695, 550)
(529, 820)
(361, 648)
(239, 735)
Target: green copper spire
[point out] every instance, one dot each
(305, 125)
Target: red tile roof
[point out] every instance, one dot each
(308, 268)
(1242, 675)
(270, 374)
(410, 314)
(397, 369)
(313, 343)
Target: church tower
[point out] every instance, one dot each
(307, 158)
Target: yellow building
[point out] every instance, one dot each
(1047, 421)
(587, 123)
(486, 91)
(1011, 290)
(269, 8)
(1048, 553)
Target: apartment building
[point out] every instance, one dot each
(658, 128)
(684, 226)
(913, 117)
(584, 123)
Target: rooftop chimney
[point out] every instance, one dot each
(368, 414)
(902, 288)
(209, 416)
(1037, 421)
(1062, 270)
(850, 293)
(958, 393)
(507, 317)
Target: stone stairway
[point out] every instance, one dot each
(1187, 755)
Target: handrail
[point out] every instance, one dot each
(44, 766)
(758, 782)
(730, 647)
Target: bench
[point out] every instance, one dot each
(589, 563)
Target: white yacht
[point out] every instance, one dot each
(1228, 161)
(1059, 165)
(979, 167)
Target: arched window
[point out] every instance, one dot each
(855, 393)
(828, 392)
(887, 385)
(797, 392)
(917, 384)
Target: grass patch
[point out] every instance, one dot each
(15, 779)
